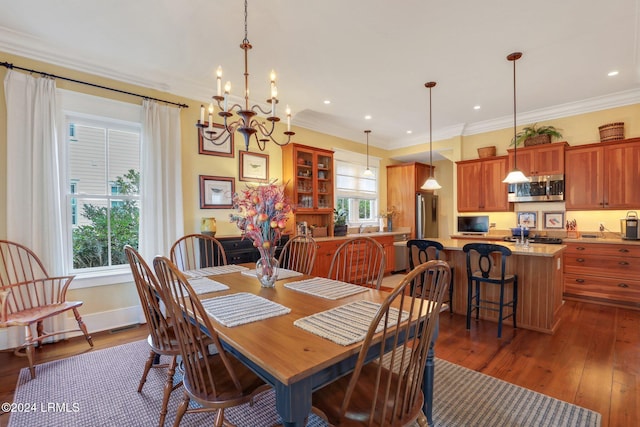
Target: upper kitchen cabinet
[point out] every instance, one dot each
(403, 182)
(308, 175)
(544, 159)
(603, 175)
(480, 186)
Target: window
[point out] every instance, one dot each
(103, 178)
(356, 193)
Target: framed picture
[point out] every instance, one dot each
(216, 192)
(553, 220)
(209, 148)
(527, 219)
(254, 167)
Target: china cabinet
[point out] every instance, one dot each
(308, 175)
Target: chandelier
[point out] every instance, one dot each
(246, 123)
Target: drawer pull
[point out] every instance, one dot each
(580, 248)
(580, 259)
(623, 285)
(623, 250)
(580, 280)
(623, 263)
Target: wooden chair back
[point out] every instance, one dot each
(202, 378)
(299, 254)
(160, 330)
(487, 261)
(195, 251)
(388, 392)
(360, 261)
(28, 295)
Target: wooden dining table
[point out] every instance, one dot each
(293, 361)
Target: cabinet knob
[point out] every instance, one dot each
(623, 250)
(580, 280)
(580, 248)
(580, 259)
(623, 263)
(623, 285)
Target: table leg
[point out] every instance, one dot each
(427, 385)
(293, 402)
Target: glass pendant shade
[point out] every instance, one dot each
(367, 172)
(515, 177)
(431, 184)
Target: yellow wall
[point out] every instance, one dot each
(580, 129)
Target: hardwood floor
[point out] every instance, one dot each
(593, 360)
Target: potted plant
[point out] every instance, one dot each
(535, 135)
(340, 222)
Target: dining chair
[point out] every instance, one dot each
(196, 251)
(29, 295)
(423, 250)
(299, 254)
(214, 381)
(360, 260)
(162, 339)
(486, 263)
(388, 391)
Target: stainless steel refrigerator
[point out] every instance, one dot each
(426, 215)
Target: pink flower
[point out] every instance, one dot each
(258, 209)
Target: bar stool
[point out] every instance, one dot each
(421, 251)
(489, 257)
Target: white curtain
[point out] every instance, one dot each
(33, 171)
(161, 215)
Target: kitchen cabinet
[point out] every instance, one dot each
(308, 175)
(544, 159)
(480, 187)
(326, 249)
(603, 175)
(606, 273)
(403, 182)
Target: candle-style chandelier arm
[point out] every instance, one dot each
(268, 134)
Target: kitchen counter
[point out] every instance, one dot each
(602, 240)
(540, 282)
(367, 234)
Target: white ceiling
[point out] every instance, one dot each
(366, 56)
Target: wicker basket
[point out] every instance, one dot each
(611, 132)
(487, 151)
(537, 140)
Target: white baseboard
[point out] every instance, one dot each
(95, 322)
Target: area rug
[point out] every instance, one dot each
(98, 388)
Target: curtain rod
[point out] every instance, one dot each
(10, 66)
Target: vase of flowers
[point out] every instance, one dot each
(261, 215)
(388, 215)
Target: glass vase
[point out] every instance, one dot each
(267, 271)
(389, 224)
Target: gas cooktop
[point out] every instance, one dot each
(538, 239)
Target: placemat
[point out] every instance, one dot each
(202, 285)
(238, 309)
(212, 271)
(326, 288)
(283, 273)
(347, 324)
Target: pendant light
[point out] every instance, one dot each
(515, 176)
(430, 183)
(367, 171)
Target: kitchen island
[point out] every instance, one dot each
(540, 282)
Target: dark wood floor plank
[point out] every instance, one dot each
(592, 360)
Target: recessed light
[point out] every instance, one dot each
(476, 107)
(612, 73)
(409, 131)
(327, 102)
(367, 117)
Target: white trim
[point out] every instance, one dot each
(102, 278)
(106, 320)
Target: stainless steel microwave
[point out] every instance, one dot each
(543, 188)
